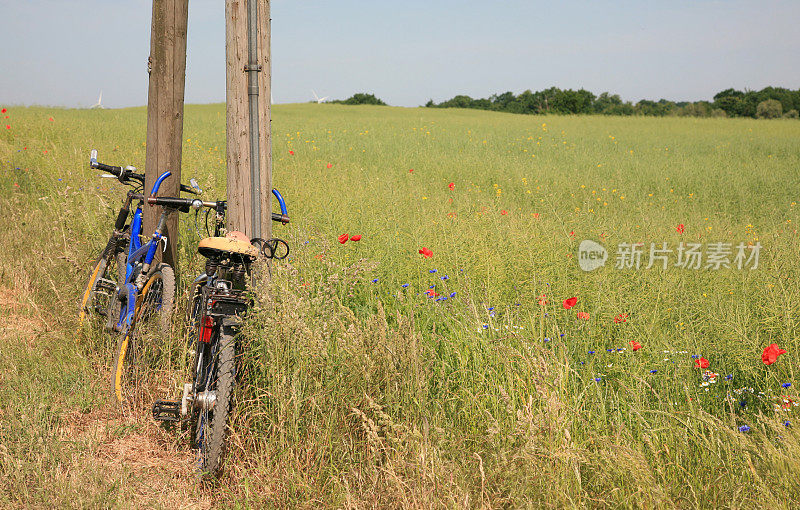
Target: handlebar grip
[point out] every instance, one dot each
(280, 217)
(116, 170)
(181, 204)
(187, 189)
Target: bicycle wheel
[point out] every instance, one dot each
(156, 301)
(214, 404)
(151, 320)
(103, 280)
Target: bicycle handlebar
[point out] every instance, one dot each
(127, 174)
(185, 204)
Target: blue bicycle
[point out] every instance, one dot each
(146, 300)
(111, 268)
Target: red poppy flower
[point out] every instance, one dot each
(536, 215)
(355, 238)
(50, 119)
(701, 363)
(3, 110)
(8, 127)
(431, 293)
(680, 228)
(452, 186)
(330, 165)
(623, 317)
(503, 212)
(410, 170)
(542, 300)
(583, 315)
(572, 233)
(771, 353)
(425, 252)
(291, 152)
(635, 345)
(569, 303)
(343, 238)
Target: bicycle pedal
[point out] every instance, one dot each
(166, 410)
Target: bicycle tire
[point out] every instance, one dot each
(210, 424)
(99, 294)
(124, 381)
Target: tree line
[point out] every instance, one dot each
(770, 102)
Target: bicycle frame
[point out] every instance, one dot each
(140, 255)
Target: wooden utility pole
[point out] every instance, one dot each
(249, 141)
(167, 67)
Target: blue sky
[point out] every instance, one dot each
(64, 52)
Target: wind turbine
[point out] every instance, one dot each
(319, 100)
(98, 105)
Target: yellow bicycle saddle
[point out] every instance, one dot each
(234, 242)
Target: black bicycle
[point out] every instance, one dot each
(220, 300)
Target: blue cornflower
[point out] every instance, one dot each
(453, 294)
(432, 271)
(744, 428)
(743, 403)
(653, 371)
(610, 350)
(491, 314)
(786, 384)
(485, 326)
(546, 339)
(596, 379)
(491, 308)
(619, 349)
(729, 377)
(695, 356)
(591, 352)
(60, 180)
(787, 423)
(445, 277)
(405, 285)
(375, 280)
(562, 334)
(432, 287)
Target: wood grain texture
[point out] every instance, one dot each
(165, 111)
(237, 117)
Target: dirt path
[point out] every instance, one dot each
(85, 451)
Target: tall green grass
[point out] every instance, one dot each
(357, 391)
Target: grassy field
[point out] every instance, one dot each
(363, 386)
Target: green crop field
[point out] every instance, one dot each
(375, 376)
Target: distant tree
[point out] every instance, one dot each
(728, 103)
(606, 103)
(361, 98)
(769, 109)
(791, 114)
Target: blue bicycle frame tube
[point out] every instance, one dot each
(126, 314)
(280, 201)
(136, 243)
(160, 179)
